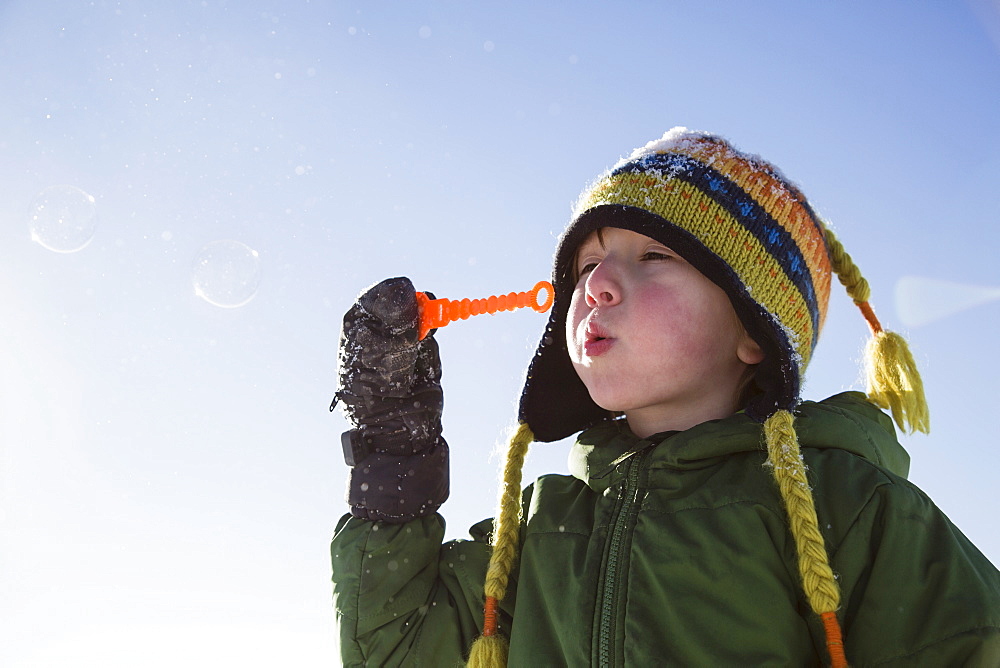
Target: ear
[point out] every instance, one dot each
(749, 351)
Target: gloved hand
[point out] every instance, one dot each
(391, 390)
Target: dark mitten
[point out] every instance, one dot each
(391, 391)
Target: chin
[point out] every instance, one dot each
(611, 403)
(611, 396)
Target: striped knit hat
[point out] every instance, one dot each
(740, 222)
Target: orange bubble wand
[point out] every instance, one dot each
(436, 313)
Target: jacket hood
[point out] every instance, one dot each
(846, 421)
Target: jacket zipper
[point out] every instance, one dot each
(621, 525)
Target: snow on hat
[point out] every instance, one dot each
(746, 227)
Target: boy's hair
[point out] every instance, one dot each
(746, 227)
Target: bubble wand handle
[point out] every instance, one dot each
(436, 313)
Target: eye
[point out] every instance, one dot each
(586, 269)
(656, 256)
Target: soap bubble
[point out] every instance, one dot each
(63, 218)
(226, 273)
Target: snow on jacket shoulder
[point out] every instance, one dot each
(675, 551)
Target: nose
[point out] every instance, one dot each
(602, 287)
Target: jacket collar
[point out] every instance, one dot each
(845, 421)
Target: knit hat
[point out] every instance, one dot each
(746, 227)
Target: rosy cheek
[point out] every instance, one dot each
(657, 301)
(670, 319)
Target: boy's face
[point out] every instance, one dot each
(651, 336)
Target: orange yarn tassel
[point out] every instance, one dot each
(436, 313)
(489, 650)
(490, 616)
(869, 314)
(834, 641)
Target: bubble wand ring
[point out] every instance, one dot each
(435, 313)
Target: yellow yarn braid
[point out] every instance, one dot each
(818, 582)
(490, 649)
(894, 383)
(784, 456)
(848, 273)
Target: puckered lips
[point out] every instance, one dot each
(597, 340)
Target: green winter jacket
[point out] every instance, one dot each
(675, 551)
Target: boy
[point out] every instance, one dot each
(690, 288)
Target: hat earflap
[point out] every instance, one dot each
(894, 383)
(490, 649)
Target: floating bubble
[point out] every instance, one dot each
(63, 218)
(923, 300)
(226, 273)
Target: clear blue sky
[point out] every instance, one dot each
(169, 473)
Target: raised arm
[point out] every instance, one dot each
(402, 598)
